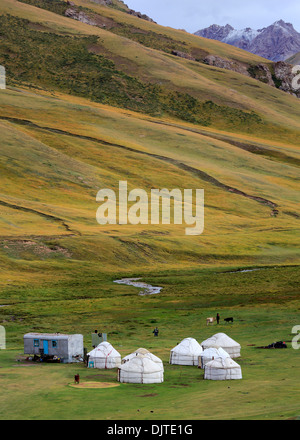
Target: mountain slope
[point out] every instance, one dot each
(91, 107)
(75, 161)
(276, 42)
(157, 83)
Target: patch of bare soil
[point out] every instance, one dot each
(19, 248)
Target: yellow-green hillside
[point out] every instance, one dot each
(195, 126)
(58, 152)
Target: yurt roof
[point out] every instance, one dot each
(104, 349)
(143, 352)
(214, 351)
(222, 363)
(220, 339)
(141, 364)
(188, 347)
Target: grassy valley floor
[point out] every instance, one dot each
(264, 304)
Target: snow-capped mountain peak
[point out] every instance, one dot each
(276, 42)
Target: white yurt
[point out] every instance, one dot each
(232, 347)
(140, 369)
(211, 353)
(186, 353)
(104, 356)
(222, 369)
(144, 352)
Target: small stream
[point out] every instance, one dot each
(243, 270)
(249, 270)
(146, 289)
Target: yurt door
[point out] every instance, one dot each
(45, 347)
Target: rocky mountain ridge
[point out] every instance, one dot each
(276, 42)
(280, 76)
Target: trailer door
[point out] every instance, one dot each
(45, 347)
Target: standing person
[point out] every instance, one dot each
(155, 331)
(218, 318)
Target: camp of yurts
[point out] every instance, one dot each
(222, 369)
(211, 353)
(232, 347)
(104, 356)
(186, 353)
(140, 369)
(144, 352)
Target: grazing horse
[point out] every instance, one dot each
(210, 320)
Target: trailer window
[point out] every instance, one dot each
(36, 342)
(54, 344)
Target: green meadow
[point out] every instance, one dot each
(86, 107)
(264, 305)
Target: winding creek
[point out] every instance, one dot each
(146, 289)
(250, 269)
